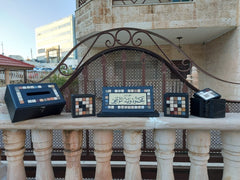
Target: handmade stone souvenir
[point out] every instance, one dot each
(207, 103)
(207, 94)
(176, 105)
(26, 101)
(83, 105)
(128, 102)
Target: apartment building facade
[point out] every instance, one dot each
(54, 40)
(208, 31)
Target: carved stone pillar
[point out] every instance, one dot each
(198, 146)
(42, 144)
(72, 140)
(164, 142)
(3, 110)
(231, 155)
(195, 79)
(132, 151)
(3, 172)
(14, 142)
(103, 150)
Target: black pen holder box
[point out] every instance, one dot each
(26, 101)
(213, 108)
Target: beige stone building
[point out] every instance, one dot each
(209, 31)
(54, 40)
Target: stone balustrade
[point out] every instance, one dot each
(198, 139)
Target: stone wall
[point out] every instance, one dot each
(219, 56)
(222, 60)
(97, 16)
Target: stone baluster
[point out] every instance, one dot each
(3, 172)
(42, 144)
(231, 155)
(103, 150)
(14, 142)
(195, 79)
(189, 78)
(198, 146)
(132, 151)
(3, 110)
(72, 140)
(164, 142)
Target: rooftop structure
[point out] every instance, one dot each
(10, 63)
(7, 64)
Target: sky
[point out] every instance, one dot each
(18, 20)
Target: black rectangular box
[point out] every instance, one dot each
(26, 101)
(213, 108)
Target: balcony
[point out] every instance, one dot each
(112, 67)
(131, 2)
(164, 128)
(146, 2)
(197, 21)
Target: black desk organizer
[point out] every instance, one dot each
(26, 101)
(207, 103)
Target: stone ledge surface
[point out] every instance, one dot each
(65, 121)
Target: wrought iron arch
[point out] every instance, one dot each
(133, 37)
(119, 48)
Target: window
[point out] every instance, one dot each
(41, 50)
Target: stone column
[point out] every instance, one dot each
(198, 146)
(195, 79)
(72, 140)
(165, 142)
(14, 143)
(132, 151)
(7, 79)
(231, 155)
(42, 144)
(103, 150)
(3, 110)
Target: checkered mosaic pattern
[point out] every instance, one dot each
(176, 105)
(83, 105)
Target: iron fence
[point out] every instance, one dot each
(131, 2)
(81, 3)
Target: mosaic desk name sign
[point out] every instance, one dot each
(25, 101)
(130, 100)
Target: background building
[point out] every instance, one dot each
(54, 40)
(209, 31)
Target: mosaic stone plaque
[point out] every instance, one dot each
(176, 105)
(128, 101)
(83, 105)
(207, 94)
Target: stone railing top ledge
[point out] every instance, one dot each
(65, 121)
